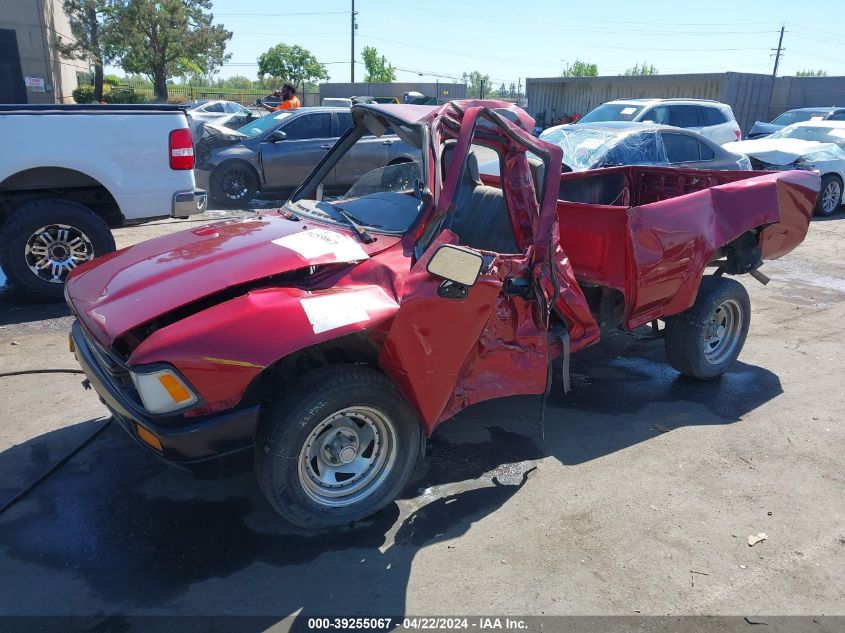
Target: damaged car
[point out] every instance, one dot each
(275, 153)
(325, 341)
(596, 145)
(817, 146)
(761, 129)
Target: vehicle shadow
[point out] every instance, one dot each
(143, 538)
(16, 308)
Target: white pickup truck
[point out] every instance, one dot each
(68, 174)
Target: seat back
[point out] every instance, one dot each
(480, 218)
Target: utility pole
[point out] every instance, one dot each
(779, 53)
(352, 48)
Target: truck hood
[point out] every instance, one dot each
(123, 290)
(217, 130)
(776, 151)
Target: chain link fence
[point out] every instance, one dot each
(178, 93)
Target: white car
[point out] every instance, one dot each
(227, 113)
(814, 145)
(711, 119)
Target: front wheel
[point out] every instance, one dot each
(706, 340)
(233, 184)
(336, 448)
(830, 196)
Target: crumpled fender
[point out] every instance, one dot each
(220, 350)
(674, 239)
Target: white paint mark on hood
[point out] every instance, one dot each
(315, 243)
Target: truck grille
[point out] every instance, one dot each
(113, 366)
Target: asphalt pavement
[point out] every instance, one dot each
(636, 496)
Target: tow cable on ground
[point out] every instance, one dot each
(25, 372)
(29, 487)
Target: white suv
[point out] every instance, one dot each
(709, 118)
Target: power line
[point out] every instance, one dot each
(817, 38)
(816, 55)
(454, 52)
(810, 28)
(509, 19)
(277, 15)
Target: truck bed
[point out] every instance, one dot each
(649, 232)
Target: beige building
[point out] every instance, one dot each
(31, 68)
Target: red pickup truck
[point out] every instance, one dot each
(328, 339)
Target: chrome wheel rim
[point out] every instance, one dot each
(830, 196)
(54, 250)
(721, 335)
(347, 456)
(234, 184)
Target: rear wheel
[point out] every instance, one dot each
(706, 340)
(45, 239)
(830, 196)
(233, 184)
(337, 448)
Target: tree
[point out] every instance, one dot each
(290, 63)
(236, 82)
(811, 73)
(641, 70)
(169, 38)
(478, 85)
(580, 69)
(92, 24)
(503, 92)
(378, 70)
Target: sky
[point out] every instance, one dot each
(511, 40)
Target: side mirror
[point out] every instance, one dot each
(277, 136)
(456, 264)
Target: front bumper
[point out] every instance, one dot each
(188, 203)
(192, 445)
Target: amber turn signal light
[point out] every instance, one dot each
(147, 437)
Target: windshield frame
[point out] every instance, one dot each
(342, 146)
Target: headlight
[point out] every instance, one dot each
(163, 391)
(744, 163)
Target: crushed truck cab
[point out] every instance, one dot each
(328, 339)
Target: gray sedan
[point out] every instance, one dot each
(594, 145)
(276, 152)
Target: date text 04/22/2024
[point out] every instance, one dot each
(482, 623)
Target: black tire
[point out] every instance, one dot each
(687, 345)
(287, 424)
(233, 184)
(830, 194)
(19, 235)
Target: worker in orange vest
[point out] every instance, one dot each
(289, 100)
